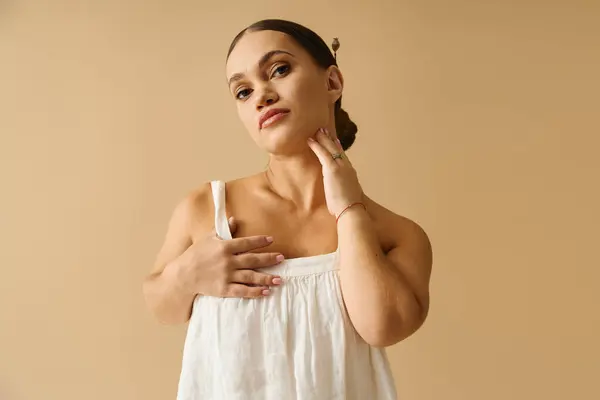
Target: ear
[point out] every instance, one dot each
(335, 83)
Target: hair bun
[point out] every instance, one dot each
(345, 128)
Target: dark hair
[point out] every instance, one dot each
(316, 47)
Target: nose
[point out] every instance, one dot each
(266, 98)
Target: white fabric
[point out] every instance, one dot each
(296, 344)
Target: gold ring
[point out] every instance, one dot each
(337, 155)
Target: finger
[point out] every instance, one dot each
(332, 135)
(248, 292)
(258, 260)
(339, 149)
(245, 244)
(253, 278)
(322, 154)
(232, 225)
(324, 138)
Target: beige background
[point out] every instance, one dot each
(478, 119)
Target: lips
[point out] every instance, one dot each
(271, 116)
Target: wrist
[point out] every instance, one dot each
(351, 208)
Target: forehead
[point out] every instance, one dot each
(253, 45)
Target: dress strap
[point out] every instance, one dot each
(221, 223)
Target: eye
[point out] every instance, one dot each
(242, 94)
(280, 70)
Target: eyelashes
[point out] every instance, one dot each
(281, 70)
(242, 94)
(278, 71)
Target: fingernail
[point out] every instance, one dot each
(338, 142)
(280, 258)
(269, 239)
(276, 281)
(266, 292)
(311, 139)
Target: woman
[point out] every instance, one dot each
(298, 296)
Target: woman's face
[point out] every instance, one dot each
(283, 97)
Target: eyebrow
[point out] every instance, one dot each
(263, 60)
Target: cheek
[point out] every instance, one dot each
(246, 115)
(312, 99)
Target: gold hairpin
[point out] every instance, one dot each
(335, 46)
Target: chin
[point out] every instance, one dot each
(283, 140)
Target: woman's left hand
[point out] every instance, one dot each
(339, 176)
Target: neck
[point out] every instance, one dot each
(298, 179)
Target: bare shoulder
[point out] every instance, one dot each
(192, 216)
(198, 209)
(396, 230)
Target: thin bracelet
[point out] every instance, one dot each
(358, 203)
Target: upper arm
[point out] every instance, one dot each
(412, 255)
(178, 237)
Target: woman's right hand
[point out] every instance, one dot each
(226, 268)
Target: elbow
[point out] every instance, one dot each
(382, 337)
(391, 330)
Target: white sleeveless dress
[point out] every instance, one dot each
(295, 344)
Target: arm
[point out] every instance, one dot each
(164, 291)
(387, 295)
(191, 263)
